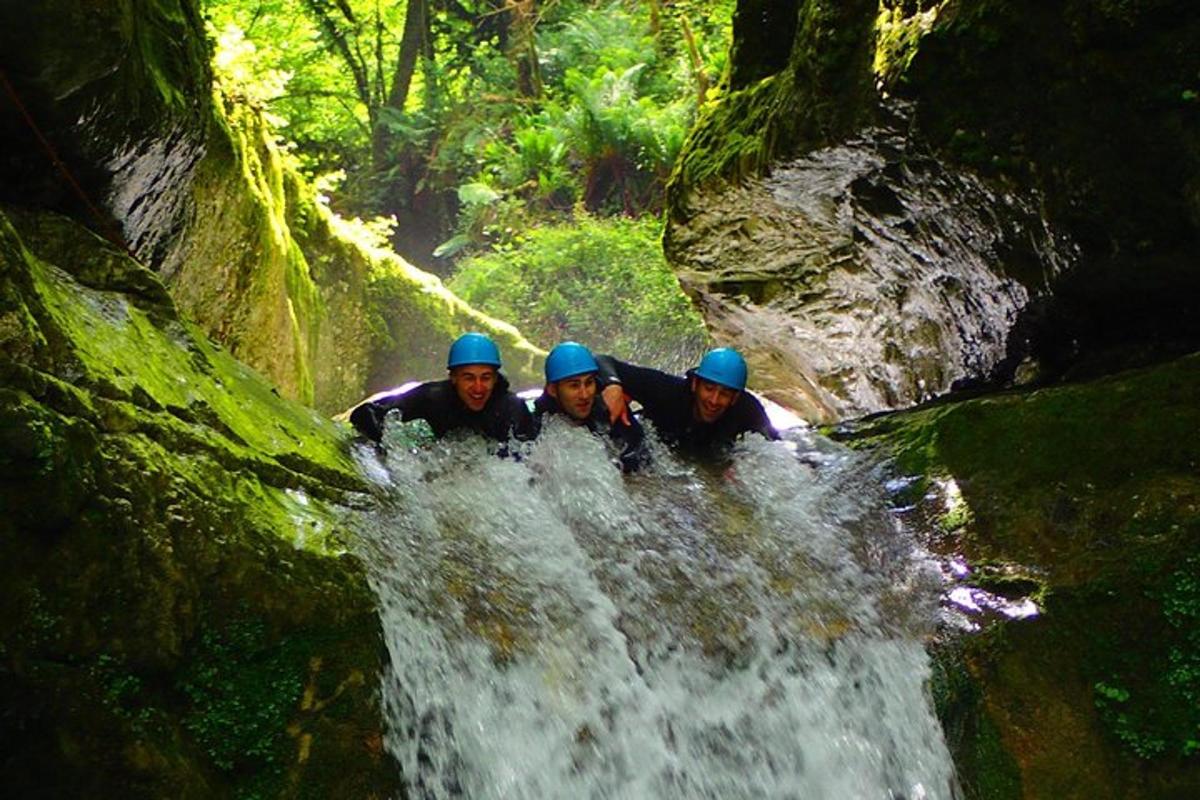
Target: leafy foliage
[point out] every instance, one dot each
(243, 690)
(270, 53)
(548, 104)
(602, 282)
(1161, 716)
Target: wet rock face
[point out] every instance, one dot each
(118, 93)
(148, 193)
(1089, 108)
(866, 276)
(1098, 106)
(1086, 498)
(179, 615)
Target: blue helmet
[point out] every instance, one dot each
(567, 360)
(473, 348)
(724, 366)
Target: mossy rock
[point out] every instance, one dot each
(1096, 105)
(182, 616)
(168, 166)
(1092, 109)
(1090, 495)
(823, 92)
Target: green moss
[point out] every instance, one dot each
(46, 462)
(304, 303)
(242, 690)
(168, 42)
(985, 767)
(1123, 191)
(141, 356)
(1151, 703)
(1086, 498)
(996, 776)
(1088, 462)
(123, 693)
(735, 137)
(825, 92)
(181, 617)
(898, 38)
(285, 309)
(311, 300)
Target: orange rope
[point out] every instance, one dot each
(101, 220)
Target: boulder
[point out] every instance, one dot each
(1074, 513)
(891, 203)
(182, 613)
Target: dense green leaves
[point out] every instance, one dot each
(604, 283)
(424, 97)
(508, 137)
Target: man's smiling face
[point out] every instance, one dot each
(474, 383)
(711, 400)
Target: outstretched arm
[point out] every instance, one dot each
(623, 382)
(612, 393)
(367, 418)
(757, 419)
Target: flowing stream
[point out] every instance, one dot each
(743, 630)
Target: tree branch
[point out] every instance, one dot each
(321, 13)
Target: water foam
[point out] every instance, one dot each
(751, 630)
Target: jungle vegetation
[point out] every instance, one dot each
(472, 132)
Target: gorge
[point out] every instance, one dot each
(959, 237)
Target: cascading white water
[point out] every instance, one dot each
(558, 630)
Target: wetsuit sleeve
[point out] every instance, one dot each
(757, 419)
(525, 424)
(632, 438)
(608, 371)
(650, 387)
(367, 418)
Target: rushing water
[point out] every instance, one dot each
(747, 630)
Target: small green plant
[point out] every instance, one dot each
(243, 689)
(1112, 702)
(120, 687)
(1108, 693)
(1181, 607)
(897, 39)
(1157, 712)
(41, 622)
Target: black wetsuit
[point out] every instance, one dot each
(505, 415)
(628, 436)
(668, 402)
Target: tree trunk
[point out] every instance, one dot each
(524, 47)
(322, 14)
(698, 71)
(412, 40)
(655, 18)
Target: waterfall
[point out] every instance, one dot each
(751, 629)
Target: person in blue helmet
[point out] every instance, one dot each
(705, 409)
(473, 398)
(572, 390)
